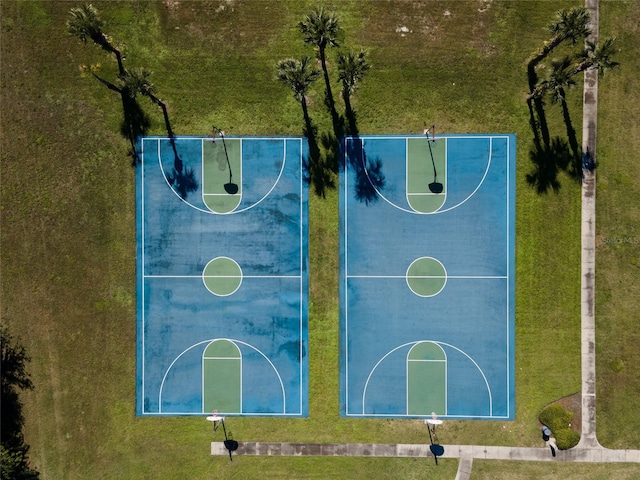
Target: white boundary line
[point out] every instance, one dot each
(221, 276)
(345, 286)
(471, 277)
(143, 319)
(302, 296)
(507, 139)
(300, 276)
(508, 252)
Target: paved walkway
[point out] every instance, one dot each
(464, 452)
(588, 323)
(589, 449)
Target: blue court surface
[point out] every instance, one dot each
(222, 276)
(427, 276)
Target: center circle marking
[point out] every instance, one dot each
(426, 276)
(222, 276)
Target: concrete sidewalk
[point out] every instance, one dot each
(588, 438)
(481, 452)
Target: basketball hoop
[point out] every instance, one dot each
(216, 420)
(229, 443)
(435, 447)
(431, 130)
(230, 187)
(435, 186)
(433, 420)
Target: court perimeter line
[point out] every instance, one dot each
(222, 276)
(430, 276)
(144, 276)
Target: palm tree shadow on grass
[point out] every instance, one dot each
(369, 177)
(316, 170)
(574, 168)
(550, 156)
(135, 123)
(370, 180)
(548, 161)
(181, 178)
(299, 75)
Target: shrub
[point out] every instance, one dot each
(566, 438)
(558, 419)
(555, 417)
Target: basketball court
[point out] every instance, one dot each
(427, 276)
(222, 276)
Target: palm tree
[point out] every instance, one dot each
(322, 29)
(352, 67)
(298, 75)
(351, 70)
(85, 23)
(572, 25)
(560, 78)
(597, 55)
(137, 81)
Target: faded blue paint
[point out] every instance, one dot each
(266, 317)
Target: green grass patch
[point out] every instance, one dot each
(68, 218)
(618, 238)
(512, 470)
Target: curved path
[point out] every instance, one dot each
(589, 449)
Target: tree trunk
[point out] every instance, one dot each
(546, 50)
(118, 55)
(351, 115)
(162, 105)
(305, 113)
(101, 40)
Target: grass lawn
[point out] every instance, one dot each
(618, 238)
(67, 205)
